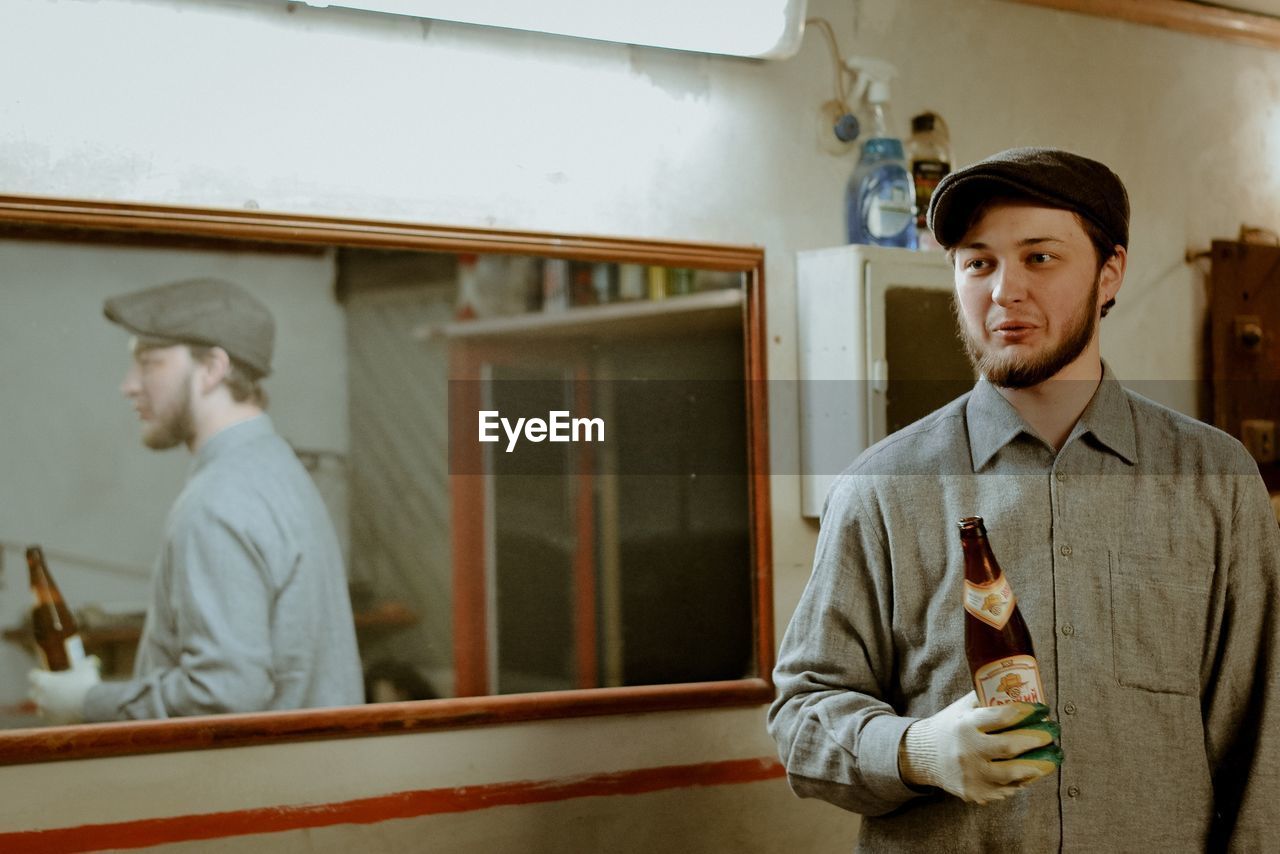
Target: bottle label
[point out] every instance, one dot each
(992, 603)
(1015, 679)
(926, 174)
(890, 205)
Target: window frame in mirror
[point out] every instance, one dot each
(124, 223)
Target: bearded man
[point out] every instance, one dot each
(249, 605)
(1139, 543)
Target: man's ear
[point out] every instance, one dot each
(215, 366)
(1111, 276)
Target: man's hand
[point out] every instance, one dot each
(60, 694)
(960, 750)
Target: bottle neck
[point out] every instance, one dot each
(879, 121)
(43, 588)
(980, 565)
(883, 148)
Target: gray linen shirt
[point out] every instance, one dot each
(249, 610)
(1145, 558)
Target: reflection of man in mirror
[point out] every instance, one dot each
(249, 608)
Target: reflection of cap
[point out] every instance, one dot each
(208, 312)
(1058, 178)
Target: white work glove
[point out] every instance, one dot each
(60, 694)
(960, 751)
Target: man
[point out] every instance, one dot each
(1139, 544)
(249, 608)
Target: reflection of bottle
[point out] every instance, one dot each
(467, 306)
(680, 282)
(657, 283)
(602, 282)
(555, 284)
(582, 286)
(56, 634)
(929, 151)
(631, 282)
(996, 640)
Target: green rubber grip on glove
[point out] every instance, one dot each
(1039, 712)
(1048, 757)
(1045, 758)
(1051, 727)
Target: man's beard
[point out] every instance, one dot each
(1023, 372)
(175, 428)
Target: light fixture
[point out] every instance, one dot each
(765, 29)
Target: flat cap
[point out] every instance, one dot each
(208, 312)
(1058, 178)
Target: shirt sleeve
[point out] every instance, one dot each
(220, 601)
(837, 735)
(1242, 703)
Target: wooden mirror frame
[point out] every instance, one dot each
(1185, 16)
(34, 218)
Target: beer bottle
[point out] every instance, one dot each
(996, 640)
(56, 634)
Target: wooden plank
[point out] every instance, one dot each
(86, 741)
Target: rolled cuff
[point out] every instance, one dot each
(878, 758)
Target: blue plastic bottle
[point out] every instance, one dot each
(880, 197)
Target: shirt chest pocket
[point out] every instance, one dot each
(1158, 622)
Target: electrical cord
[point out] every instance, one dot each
(843, 83)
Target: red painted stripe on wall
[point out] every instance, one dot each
(159, 831)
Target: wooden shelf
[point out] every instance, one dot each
(694, 313)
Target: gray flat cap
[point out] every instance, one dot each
(208, 312)
(1058, 178)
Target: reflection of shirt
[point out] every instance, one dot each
(1145, 562)
(249, 607)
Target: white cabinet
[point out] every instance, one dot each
(878, 350)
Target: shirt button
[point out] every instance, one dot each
(1066, 551)
(1068, 630)
(1059, 476)
(1069, 708)
(1073, 791)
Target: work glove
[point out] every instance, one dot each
(60, 694)
(980, 754)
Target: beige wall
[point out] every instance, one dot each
(284, 107)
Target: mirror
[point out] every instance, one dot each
(624, 567)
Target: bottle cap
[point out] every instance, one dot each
(923, 123)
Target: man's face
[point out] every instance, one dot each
(159, 384)
(1029, 293)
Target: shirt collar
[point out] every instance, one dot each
(1109, 418)
(992, 421)
(229, 438)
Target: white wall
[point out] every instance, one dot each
(215, 102)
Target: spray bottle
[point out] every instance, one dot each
(880, 196)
